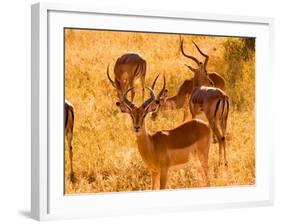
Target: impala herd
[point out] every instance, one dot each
(175, 148)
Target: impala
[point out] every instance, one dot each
(168, 149)
(213, 102)
(68, 131)
(180, 100)
(128, 68)
(204, 77)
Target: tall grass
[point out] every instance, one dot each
(106, 156)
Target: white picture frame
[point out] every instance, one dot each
(48, 200)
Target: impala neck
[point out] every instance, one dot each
(171, 103)
(145, 144)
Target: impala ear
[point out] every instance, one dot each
(165, 94)
(123, 108)
(191, 69)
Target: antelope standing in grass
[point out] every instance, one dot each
(127, 70)
(68, 131)
(167, 149)
(180, 99)
(210, 100)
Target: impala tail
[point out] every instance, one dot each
(221, 112)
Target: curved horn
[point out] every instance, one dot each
(126, 101)
(188, 56)
(153, 84)
(151, 99)
(205, 55)
(108, 76)
(163, 88)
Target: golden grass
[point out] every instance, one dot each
(106, 157)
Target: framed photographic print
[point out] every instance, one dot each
(148, 111)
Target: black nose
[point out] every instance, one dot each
(137, 128)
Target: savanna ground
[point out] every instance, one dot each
(106, 157)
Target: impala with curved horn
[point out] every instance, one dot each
(201, 76)
(68, 131)
(213, 102)
(181, 98)
(127, 70)
(178, 101)
(168, 149)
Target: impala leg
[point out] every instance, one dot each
(163, 178)
(219, 137)
(143, 86)
(69, 138)
(131, 85)
(223, 127)
(215, 140)
(224, 151)
(220, 153)
(204, 157)
(202, 170)
(155, 179)
(204, 165)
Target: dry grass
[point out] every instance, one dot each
(106, 157)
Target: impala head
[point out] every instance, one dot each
(201, 75)
(200, 72)
(161, 97)
(138, 114)
(120, 87)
